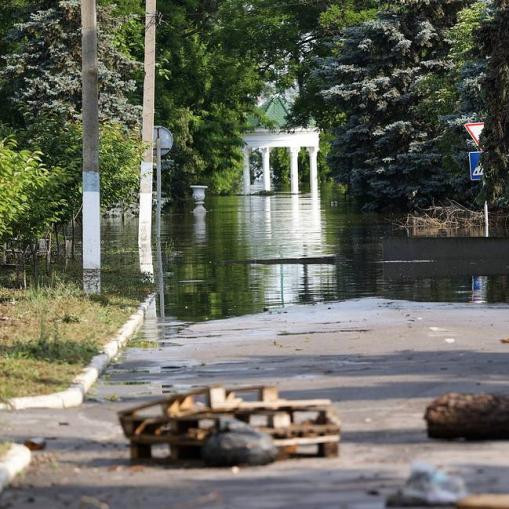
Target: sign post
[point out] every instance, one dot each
(475, 130)
(163, 141)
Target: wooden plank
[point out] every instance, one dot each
(328, 450)
(217, 397)
(307, 430)
(141, 451)
(279, 420)
(269, 394)
(166, 439)
(306, 441)
(484, 502)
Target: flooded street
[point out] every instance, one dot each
(248, 253)
(310, 297)
(264, 255)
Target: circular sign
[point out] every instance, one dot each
(165, 138)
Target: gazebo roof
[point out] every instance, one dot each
(273, 114)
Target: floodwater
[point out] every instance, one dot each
(244, 254)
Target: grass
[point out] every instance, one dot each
(47, 335)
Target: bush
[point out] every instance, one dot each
(29, 205)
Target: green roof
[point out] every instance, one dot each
(272, 114)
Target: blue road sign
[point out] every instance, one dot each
(476, 171)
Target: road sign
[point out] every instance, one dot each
(475, 129)
(476, 171)
(165, 137)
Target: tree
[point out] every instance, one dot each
(494, 40)
(386, 151)
(29, 205)
(42, 73)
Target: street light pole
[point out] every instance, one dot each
(91, 184)
(146, 174)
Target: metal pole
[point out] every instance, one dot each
(146, 174)
(159, 192)
(91, 184)
(486, 220)
(158, 228)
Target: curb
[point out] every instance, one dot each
(17, 459)
(75, 394)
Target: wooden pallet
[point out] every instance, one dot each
(185, 421)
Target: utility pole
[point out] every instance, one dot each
(91, 184)
(147, 165)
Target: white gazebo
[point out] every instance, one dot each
(276, 110)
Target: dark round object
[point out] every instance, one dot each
(237, 443)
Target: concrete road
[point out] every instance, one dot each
(381, 362)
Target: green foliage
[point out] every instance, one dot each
(390, 77)
(61, 144)
(42, 73)
(494, 42)
(29, 204)
(462, 35)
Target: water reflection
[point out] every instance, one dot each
(200, 225)
(247, 253)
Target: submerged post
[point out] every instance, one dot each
(91, 184)
(247, 172)
(313, 169)
(486, 220)
(294, 170)
(266, 169)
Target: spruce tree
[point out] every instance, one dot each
(386, 152)
(42, 74)
(494, 42)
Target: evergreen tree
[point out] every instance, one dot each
(42, 75)
(494, 41)
(387, 151)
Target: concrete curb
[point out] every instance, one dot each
(17, 459)
(75, 394)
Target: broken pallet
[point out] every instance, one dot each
(185, 421)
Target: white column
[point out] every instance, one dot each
(266, 168)
(247, 173)
(313, 168)
(294, 171)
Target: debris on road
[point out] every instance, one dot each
(469, 416)
(428, 486)
(187, 421)
(237, 443)
(92, 503)
(484, 502)
(35, 444)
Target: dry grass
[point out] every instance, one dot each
(452, 217)
(48, 335)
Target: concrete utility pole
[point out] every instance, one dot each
(91, 185)
(145, 219)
